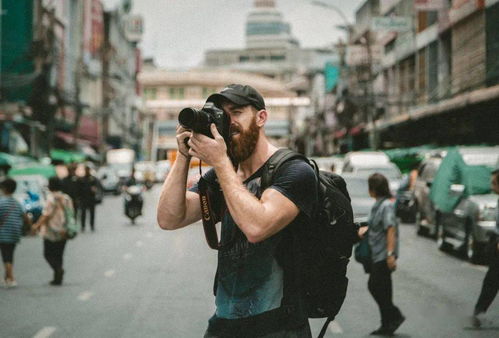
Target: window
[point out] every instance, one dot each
(176, 93)
(150, 93)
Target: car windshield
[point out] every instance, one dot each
(389, 173)
(357, 187)
(487, 159)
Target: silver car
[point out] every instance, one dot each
(359, 194)
(469, 225)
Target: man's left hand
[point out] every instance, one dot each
(211, 151)
(391, 261)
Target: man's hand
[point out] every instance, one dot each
(211, 151)
(182, 135)
(362, 232)
(391, 261)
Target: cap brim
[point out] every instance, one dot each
(216, 98)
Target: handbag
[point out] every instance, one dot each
(363, 253)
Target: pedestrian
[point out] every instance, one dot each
(70, 186)
(87, 190)
(12, 219)
(490, 284)
(52, 228)
(384, 245)
(252, 298)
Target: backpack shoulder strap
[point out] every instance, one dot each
(274, 162)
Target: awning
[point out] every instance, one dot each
(340, 133)
(45, 170)
(66, 156)
(456, 103)
(356, 130)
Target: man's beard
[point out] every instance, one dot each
(242, 148)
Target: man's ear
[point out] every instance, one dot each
(261, 117)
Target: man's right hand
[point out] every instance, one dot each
(182, 135)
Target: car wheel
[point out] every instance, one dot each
(441, 241)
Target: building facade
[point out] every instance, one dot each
(436, 81)
(167, 92)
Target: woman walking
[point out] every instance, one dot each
(12, 218)
(383, 241)
(53, 230)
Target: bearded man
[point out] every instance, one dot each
(256, 294)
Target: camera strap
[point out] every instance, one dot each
(208, 216)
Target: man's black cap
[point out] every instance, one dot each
(240, 95)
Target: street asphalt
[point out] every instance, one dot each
(127, 280)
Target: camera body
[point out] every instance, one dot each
(199, 121)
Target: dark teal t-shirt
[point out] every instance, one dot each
(250, 276)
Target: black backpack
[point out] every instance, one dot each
(325, 246)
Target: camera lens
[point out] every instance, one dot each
(188, 117)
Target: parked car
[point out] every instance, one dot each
(388, 169)
(425, 218)
(359, 193)
(467, 227)
(366, 158)
(326, 163)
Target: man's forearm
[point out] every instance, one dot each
(247, 211)
(172, 202)
(390, 239)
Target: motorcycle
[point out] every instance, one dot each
(133, 202)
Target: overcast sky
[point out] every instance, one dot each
(177, 32)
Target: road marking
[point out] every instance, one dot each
(335, 327)
(127, 256)
(45, 332)
(138, 244)
(149, 234)
(109, 273)
(85, 295)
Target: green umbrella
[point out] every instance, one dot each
(46, 170)
(67, 156)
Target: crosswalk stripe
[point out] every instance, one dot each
(85, 295)
(45, 332)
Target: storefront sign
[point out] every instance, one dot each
(391, 24)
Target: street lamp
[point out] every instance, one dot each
(334, 8)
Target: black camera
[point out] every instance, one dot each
(199, 121)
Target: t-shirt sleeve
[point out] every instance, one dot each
(296, 180)
(389, 218)
(210, 176)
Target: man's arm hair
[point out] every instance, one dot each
(177, 207)
(257, 219)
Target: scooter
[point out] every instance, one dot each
(133, 202)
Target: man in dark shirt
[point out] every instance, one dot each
(88, 185)
(491, 281)
(255, 293)
(70, 186)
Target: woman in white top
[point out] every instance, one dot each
(52, 225)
